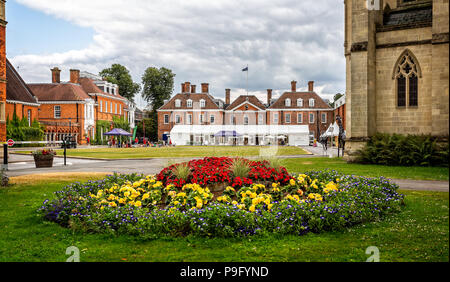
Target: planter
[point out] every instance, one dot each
(43, 160)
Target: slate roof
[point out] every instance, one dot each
(89, 86)
(409, 16)
(195, 97)
(16, 88)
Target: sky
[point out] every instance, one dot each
(199, 40)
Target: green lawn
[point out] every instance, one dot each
(419, 233)
(400, 172)
(179, 152)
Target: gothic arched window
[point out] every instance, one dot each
(406, 73)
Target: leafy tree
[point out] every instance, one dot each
(158, 86)
(120, 75)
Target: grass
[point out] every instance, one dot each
(338, 164)
(177, 152)
(419, 233)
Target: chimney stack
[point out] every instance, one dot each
(310, 86)
(294, 86)
(269, 96)
(227, 96)
(56, 75)
(187, 87)
(183, 88)
(193, 88)
(205, 87)
(74, 76)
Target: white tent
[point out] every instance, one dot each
(332, 130)
(252, 134)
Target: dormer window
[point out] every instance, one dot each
(202, 103)
(177, 103)
(311, 102)
(287, 102)
(189, 103)
(300, 102)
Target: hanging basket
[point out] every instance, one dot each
(43, 160)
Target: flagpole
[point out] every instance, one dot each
(247, 79)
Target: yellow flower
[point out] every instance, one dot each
(269, 206)
(252, 208)
(145, 196)
(122, 201)
(112, 204)
(274, 185)
(199, 205)
(234, 203)
(126, 194)
(292, 182)
(138, 204)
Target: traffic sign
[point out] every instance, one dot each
(10, 142)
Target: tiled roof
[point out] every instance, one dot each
(16, 88)
(195, 97)
(243, 98)
(58, 91)
(319, 103)
(409, 16)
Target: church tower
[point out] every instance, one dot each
(2, 72)
(397, 74)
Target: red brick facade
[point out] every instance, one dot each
(2, 72)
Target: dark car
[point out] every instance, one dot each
(71, 142)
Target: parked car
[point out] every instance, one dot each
(71, 142)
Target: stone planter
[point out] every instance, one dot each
(43, 160)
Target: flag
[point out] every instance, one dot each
(245, 69)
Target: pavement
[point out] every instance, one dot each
(24, 165)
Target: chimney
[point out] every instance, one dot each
(56, 75)
(310, 86)
(294, 86)
(205, 87)
(187, 86)
(227, 96)
(269, 96)
(74, 76)
(193, 88)
(182, 88)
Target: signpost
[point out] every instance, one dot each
(10, 142)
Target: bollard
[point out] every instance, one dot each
(64, 144)
(5, 156)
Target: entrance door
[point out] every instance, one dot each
(245, 140)
(257, 140)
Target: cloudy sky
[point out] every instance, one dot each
(199, 40)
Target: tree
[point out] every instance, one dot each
(158, 86)
(120, 75)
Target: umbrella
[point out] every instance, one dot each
(119, 132)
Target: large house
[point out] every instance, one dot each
(73, 108)
(397, 72)
(190, 117)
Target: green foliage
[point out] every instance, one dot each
(102, 126)
(19, 130)
(150, 124)
(120, 75)
(335, 98)
(158, 86)
(182, 171)
(405, 150)
(240, 168)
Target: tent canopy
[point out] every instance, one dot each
(118, 132)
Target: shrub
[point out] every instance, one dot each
(405, 150)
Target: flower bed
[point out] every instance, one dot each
(213, 170)
(144, 206)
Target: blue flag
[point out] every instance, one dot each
(245, 69)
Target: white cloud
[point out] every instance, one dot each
(204, 41)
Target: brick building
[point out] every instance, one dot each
(397, 73)
(197, 118)
(74, 107)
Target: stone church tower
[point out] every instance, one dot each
(397, 73)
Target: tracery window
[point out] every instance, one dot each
(406, 73)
